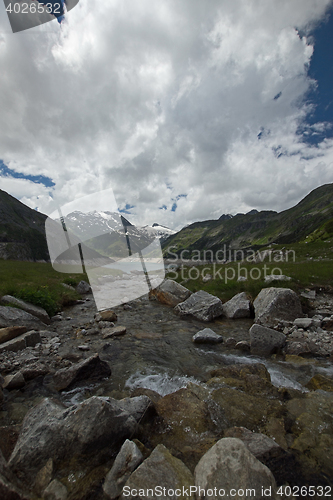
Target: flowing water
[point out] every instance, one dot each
(157, 353)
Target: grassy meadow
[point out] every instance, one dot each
(310, 266)
(38, 283)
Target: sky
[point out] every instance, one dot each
(186, 109)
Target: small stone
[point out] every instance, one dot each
(276, 277)
(303, 322)
(13, 382)
(84, 348)
(114, 332)
(230, 342)
(243, 345)
(83, 287)
(105, 324)
(55, 491)
(207, 336)
(310, 294)
(106, 315)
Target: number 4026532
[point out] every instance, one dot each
(32, 8)
(305, 491)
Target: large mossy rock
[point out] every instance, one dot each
(273, 305)
(229, 466)
(163, 470)
(251, 378)
(189, 424)
(313, 430)
(247, 410)
(320, 382)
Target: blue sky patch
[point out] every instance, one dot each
(37, 179)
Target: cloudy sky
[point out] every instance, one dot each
(187, 109)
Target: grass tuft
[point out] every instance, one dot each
(39, 284)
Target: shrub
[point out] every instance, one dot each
(39, 297)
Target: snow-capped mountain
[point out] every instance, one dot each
(162, 232)
(109, 233)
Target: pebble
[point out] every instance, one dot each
(84, 348)
(54, 340)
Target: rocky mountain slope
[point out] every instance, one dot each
(310, 219)
(22, 231)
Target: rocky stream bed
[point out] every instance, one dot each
(89, 384)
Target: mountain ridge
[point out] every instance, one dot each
(22, 229)
(310, 219)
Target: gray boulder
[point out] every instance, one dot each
(160, 469)
(94, 428)
(238, 307)
(12, 316)
(207, 336)
(83, 287)
(265, 341)
(37, 311)
(276, 304)
(170, 292)
(90, 369)
(229, 465)
(29, 339)
(55, 491)
(280, 462)
(11, 332)
(201, 305)
(127, 460)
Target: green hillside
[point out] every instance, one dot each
(311, 219)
